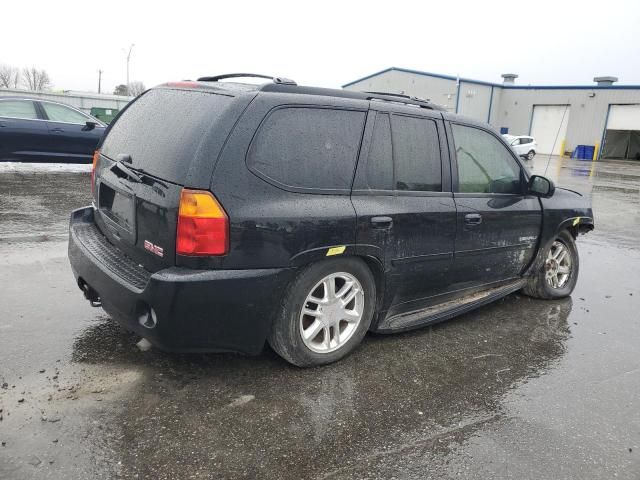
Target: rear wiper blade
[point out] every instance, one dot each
(127, 171)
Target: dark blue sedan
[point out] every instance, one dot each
(35, 130)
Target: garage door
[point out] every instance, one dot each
(550, 122)
(622, 135)
(624, 117)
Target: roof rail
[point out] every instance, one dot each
(278, 80)
(398, 97)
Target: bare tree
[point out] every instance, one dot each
(136, 88)
(9, 76)
(36, 79)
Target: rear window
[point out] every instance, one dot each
(308, 148)
(163, 129)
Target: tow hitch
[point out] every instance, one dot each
(90, 294)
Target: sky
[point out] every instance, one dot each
(323, 43)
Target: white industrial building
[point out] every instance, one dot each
(560, 118)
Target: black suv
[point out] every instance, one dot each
(227, 214)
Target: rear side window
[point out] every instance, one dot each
(308, 148)
(163, 129)
(416, 153)
(379, 173)
(18, 109)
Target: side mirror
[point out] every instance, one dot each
(515, 142)
(541, 186)
(89, 126)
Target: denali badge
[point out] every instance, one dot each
(153, 248)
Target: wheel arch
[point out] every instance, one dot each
(373, 263)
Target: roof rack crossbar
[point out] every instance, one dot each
(401, 98)
(278, 80)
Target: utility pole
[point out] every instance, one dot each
(128, 58)
(99, 81)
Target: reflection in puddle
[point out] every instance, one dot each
(405, 391)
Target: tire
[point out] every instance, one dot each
(530, 155)
(305, 290)
(539, 285)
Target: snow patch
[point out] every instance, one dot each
(44, 167)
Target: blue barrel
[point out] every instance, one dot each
(583, 152)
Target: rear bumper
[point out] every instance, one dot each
(196, 310)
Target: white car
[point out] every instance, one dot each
(524, 146)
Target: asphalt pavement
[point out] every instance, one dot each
(522, 388)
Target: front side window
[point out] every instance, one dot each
(18, 109)
(60, 113)
(484, 164)
(416, 154)
(310, 148)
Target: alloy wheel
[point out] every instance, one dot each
(558, 265)
(331, 312)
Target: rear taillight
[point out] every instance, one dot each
(96, 154)
(203, 225)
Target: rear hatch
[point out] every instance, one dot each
(163, 141)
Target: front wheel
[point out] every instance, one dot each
(557, 271)
(325, 312)
(530, 155)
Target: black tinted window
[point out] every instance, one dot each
(484, 164)
(379, 173)
(163, 129)
(308, 147)
(416, 153)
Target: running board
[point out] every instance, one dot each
(447, 310)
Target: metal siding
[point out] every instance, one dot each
(512, 106)
(440, 91)
(474, 100)
(588, 114)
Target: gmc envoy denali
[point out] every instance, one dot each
(226, 214)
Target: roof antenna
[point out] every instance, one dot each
(566, 107)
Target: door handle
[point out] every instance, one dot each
(473, 219)
(57, 130)
(382, 222)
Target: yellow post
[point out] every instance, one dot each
(595, 152)
(562, 145)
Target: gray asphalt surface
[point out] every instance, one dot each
(522, 389)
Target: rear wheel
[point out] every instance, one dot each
(530, 155)
(558, 273)
(325, 312)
